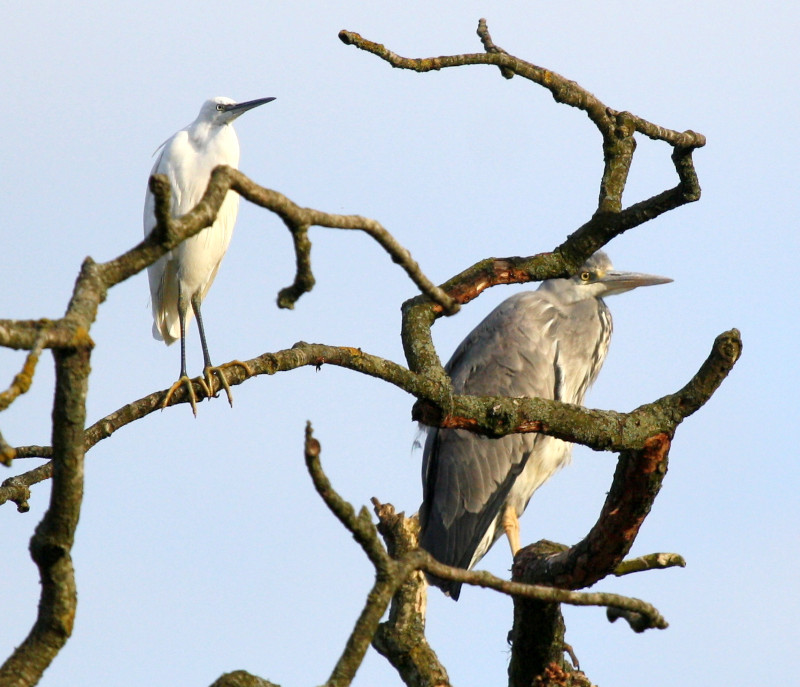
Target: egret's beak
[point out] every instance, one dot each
(620, 282)
(237, 109)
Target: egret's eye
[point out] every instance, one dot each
(586, 276)
(220, 107)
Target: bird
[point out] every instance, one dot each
(548, 343)
(180, 280)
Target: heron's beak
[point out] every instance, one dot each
(620, 282)
(237, 109)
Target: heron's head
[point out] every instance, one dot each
(597, 278)
(220, 110)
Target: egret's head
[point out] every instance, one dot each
(220, 110)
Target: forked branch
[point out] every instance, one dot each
(398, 580)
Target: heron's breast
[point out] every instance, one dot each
(549, 455)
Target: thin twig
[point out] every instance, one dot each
(24, 378)
(361, 525)
(490, 47)
(651, 561)
(481, 578)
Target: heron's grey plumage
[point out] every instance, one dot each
(549, 343)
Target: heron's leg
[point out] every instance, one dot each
(511, 528)
(208, 368)
(183, 380)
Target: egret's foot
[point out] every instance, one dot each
(184, 381)
(219, 371)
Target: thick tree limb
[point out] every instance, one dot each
(538, 630)
(401, 639)
(51, 544)
(600, 430)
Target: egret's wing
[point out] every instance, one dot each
(162, 273)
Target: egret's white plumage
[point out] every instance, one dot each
(180, 280)
(549, 343)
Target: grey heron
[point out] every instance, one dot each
(548, 343)
(182, 278)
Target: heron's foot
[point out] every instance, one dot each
(511, 527)
(219, 371)
(184, 381)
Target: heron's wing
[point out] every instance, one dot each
(512, 351)
(467, 477)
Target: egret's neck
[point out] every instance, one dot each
(215, 142)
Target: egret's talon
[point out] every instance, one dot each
(186, 382)
(218, 370)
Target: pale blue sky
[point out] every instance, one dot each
(202, 546)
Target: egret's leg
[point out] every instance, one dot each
(208, 368)
(511, 528)
(184, 380)
(182, 322)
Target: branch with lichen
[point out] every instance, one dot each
(490, 415)
(51, 544)
(617, 129)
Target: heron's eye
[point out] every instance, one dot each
(220, 107)
(586, 276)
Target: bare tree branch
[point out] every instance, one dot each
(493, 416)
(651, 561)
(51, 544)
(563, 90)
(241, 678)
(386, 579)
(298, 220)
(490, 47)
(169, 232)
(360, 526)
(22, 382)
(638, 622)
(401, 639)
(539, 628)
(601, 430)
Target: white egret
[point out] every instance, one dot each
(182, 277)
